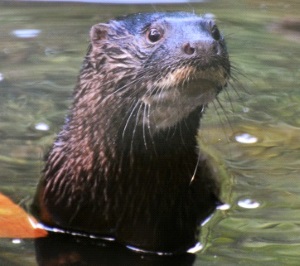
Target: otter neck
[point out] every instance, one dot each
(128, 176)
(114, 133)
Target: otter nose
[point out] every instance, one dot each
(203, 47)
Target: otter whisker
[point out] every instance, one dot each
(225, 113)
(140, 107)
(144, 123)
(228, 100)
(195, 171)
(131, 114)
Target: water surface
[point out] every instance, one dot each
(253, 132)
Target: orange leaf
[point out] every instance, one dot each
(16, 223)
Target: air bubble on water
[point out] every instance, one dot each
(246, 138)
(248, 204)
(42, 127)
(26, 33)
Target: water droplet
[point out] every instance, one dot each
(248, 204)
(246, 138)
(42, 127)
(26, 33)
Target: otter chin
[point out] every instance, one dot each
(126, 163)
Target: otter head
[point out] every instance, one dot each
(170, 63)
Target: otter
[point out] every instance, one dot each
(126, 163)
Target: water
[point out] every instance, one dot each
(254, 138)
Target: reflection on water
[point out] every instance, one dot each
(58, 249)
(248, 203)
(256, 137)
(245, 138)
(27, 33)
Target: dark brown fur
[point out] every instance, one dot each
(126, 164)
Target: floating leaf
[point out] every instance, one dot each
(16, 223)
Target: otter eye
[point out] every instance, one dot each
(154, 35)
(215, 33)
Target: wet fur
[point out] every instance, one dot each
(122, 165)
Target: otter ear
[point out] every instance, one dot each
(99, 32)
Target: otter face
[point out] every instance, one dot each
(177, 61)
